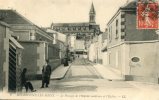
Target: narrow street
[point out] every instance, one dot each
(82, 77)
(81, 69)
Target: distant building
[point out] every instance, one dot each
(94, 51)
(100, 43)
(92, 54)
(104, 47)
(83, 31)
(131, 52)
(72, 42)
(60, 40)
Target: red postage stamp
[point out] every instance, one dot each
(147, 15)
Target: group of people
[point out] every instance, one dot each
(46, 72)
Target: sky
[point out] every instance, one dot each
(44, 12)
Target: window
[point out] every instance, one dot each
(84, 28)
(117, 22)
(110, 33)
(117, 34)
(135, 59)
(79, 28)
(66, 28)
(90, 18)
(87, 28)
(74, 28)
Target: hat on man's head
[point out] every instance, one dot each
(47, 60)
(25, 69)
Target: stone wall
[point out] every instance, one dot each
(55, 63)
(34, 56)
(30, 56)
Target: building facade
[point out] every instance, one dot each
(126, 46)
(10, 60)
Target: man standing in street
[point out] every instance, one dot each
(46, 72)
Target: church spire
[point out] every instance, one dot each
(92, 14)
(92, 10)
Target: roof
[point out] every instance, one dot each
(4, 24)
(128, 6)
(16, 43)
(74, 24)
(71, 24)
(12, 17)
(51, 31)
(132, 4)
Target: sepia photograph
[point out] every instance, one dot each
(79, 49)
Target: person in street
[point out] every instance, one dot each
(24, 82)
(65, 61)
(46, 72)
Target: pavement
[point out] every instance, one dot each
(108, 72)
(60, 72)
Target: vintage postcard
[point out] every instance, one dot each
(79, 49)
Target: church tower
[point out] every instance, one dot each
(92, 14)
